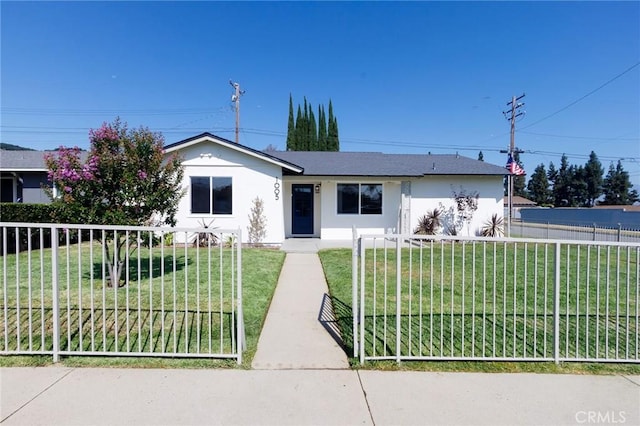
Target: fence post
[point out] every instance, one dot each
(361, 307)
(556, 305)
(354, 288)
(56, 294)
(619, 231)
(398, 296)
(594, 232)
(242, 340)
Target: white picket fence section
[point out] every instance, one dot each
(178, 293)
(457, 298)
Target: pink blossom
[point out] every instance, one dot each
(105, 132)
(142, 175)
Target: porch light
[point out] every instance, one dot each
(317, 188)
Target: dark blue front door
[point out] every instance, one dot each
(302, 209)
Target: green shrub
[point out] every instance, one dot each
(26, 212)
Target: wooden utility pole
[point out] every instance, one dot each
(235, 97)
(513, 114)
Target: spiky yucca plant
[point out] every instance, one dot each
(429, 223)
(493, 227)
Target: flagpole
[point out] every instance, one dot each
(510, 163)
(510, 204)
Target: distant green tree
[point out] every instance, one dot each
(538, 187)
(617, 187)
(322, 129)
(303, 136)
(593, 176)
(291, 128)
(312, 131)
(11, 147)
(552, 174)
(561, 184)
(306, 134)
(299, 142)
(333, 141)
(577, 190)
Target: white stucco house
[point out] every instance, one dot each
(324, 194)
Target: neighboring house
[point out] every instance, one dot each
(325, 194)
(22, 174)
(518, 203)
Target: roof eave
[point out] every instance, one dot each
(18, 169)
(232, 145)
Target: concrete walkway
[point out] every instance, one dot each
(297, 333)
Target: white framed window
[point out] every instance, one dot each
(211, 195)
(359, 198)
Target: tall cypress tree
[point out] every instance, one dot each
(303, 144)
(291, 127)
(322, 129)
(333, 143)
(306, 134)
(312, 132)
(299, 124)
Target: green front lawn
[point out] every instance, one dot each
(498, 305)
(169, 300)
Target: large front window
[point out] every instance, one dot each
(211, 195)
(359, 198)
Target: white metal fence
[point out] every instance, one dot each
(583, 232)
(120, 291)
(456, 298)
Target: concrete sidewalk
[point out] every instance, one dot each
(64, 396)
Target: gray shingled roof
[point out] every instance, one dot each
(379, 164)
(326, 163)
(26, 160)
(22, 160)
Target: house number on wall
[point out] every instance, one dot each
(276, 189)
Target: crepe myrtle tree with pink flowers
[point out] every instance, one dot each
(125, 180)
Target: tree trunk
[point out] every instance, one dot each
(114, 263)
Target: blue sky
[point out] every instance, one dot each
(404, 77)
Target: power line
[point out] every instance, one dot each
(56, 111)
(275, 133)
(582, 97)
(579, 137)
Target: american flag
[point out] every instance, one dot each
(514, 168)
